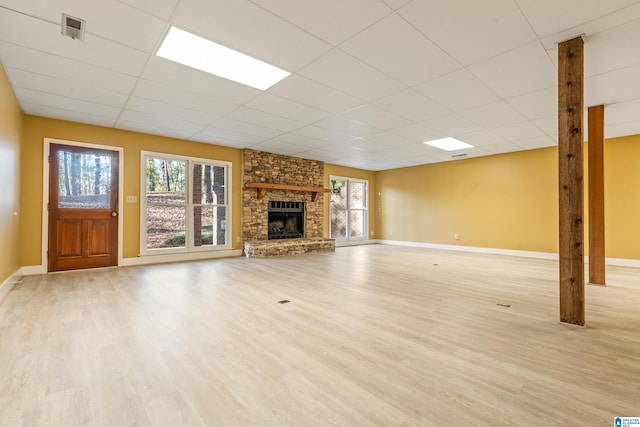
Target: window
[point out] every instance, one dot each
(184, 204)
(348, 209)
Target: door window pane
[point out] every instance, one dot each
(84, 180)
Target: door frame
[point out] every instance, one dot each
(45, 192)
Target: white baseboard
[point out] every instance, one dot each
(33, 270)
(7, 285)
(343, 243)
(193, 256)
(493, 251)
(621, 262)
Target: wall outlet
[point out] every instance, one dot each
(238, 239)
(456, 236)
(372, 233)
(132, 199)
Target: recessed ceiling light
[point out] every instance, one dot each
(196, 52)
(448, 144)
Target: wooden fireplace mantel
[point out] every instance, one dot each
(264, 186)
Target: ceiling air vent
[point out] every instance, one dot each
(459, 156)
(73, 27)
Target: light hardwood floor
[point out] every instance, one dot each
(373, 336)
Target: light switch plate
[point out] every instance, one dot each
(132, 199)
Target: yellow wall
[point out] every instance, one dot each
(10, 128)
(622, 197)
(506, 201)
(346, 172)
(37, 128)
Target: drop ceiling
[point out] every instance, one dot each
(371, 79)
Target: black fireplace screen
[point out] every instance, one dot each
(286, 220)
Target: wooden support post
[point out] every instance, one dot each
(596, 195)
(570, 180)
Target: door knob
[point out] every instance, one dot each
(114, 213)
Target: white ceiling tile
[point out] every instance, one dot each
(66, 88)
(418, 133)
(458, 91)
(612, 87)
(470, 31)
(185, 127)
(46, 37)
(280, 147)
(323, 134)
(347, 74)
(283, 107)
(480, 138)
(535, 105)
(160, 8)
(250, 29)
(108, 19)
(227, 124)
(164, 71)
(518, 71)
(213, 135)
(599, 57)
(452, 124)
(148, 89)
(344, 125)
(26, 59)
(622, 112)
(390, 139)
(68, 115)
(375, 117)
(308, 92)
(298, 139)
(536, 142)
(501, 147)
(169, 111)
(622, 129)
(354, 89)
(493, 115)
(260, 118)
(548, 125)
(401, 51)
(550, 16)
(152, 129)
(411, 105)
(330, 20)
(29, 96)
(517, 131)
(396, 4)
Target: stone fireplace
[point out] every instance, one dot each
(284, 215)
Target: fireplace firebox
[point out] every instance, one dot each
(286, 220)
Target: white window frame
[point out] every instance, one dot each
(189, 247)
(348, 238)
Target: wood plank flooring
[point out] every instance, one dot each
(373, 336)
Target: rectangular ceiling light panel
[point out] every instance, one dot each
(196, 52)
(448, 144)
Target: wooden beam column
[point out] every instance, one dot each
(570, 180)
(596, 195)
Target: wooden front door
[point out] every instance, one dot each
(83, 203)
